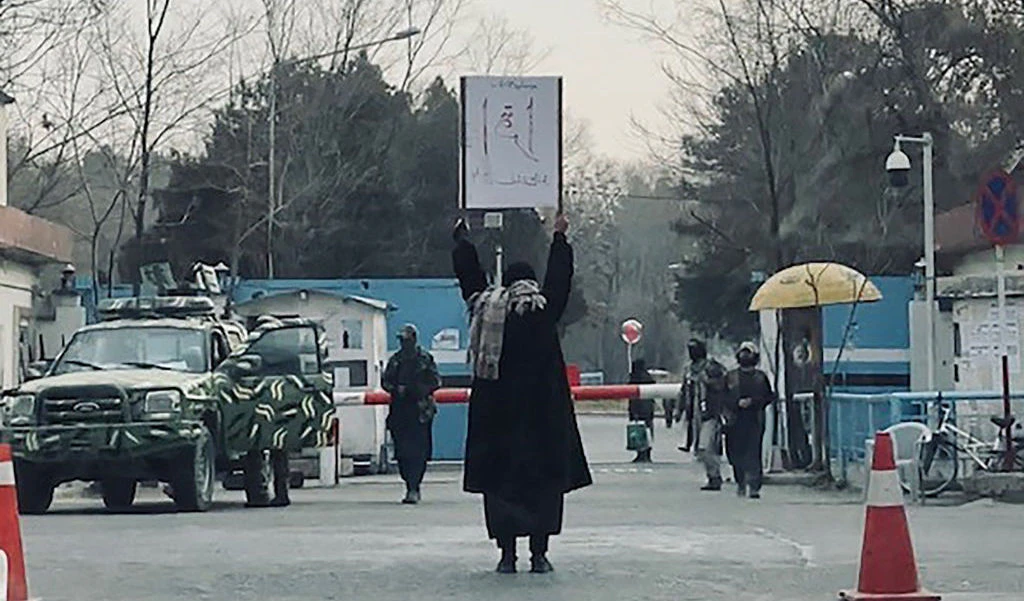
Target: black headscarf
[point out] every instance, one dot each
(697, 350)
(520, 270)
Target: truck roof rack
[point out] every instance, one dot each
(155, 307)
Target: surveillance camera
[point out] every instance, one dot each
(898, 167)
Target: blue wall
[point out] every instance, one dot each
(876, 356)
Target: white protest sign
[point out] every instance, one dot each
(511, 142)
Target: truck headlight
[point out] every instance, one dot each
(161, 404)
(21, 409)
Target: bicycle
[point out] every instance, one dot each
(939, 454)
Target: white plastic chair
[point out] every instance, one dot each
(907, 439)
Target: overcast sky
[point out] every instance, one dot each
(610, 73)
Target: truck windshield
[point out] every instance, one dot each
(178, 349)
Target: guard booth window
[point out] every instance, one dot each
(287, 351)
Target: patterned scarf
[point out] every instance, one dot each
(488, 311)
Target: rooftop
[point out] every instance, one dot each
(29, 239)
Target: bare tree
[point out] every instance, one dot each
(47, 81)
(161, 82)
(498, 48)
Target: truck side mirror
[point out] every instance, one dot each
(37, 369)
(243, 365)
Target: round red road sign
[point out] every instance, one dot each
(632, 331)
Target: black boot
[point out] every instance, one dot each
(539, 563)
(279, 465)
(507, 563)
(712, 485)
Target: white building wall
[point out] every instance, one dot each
(16, 284)
(943, 348)
(3, 156)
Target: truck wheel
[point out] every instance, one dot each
(35, 489)
(296, 479)
(118, 493)
(192, 482)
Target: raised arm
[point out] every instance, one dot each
(466, 263)
(558, 277)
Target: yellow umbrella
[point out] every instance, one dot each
(814, 284)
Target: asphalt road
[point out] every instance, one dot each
(638, 533)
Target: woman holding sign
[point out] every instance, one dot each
(523, 447)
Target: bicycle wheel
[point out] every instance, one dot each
(997, 461)
(938, 468)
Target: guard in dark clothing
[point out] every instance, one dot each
(523, 447)
(642, 410)
(411, 378)
(255, 478)
(698, 353)
(749, 393)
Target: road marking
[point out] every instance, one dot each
(806, 552)
(620, 470)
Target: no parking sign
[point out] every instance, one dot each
(997, 208)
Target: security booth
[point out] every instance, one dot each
(790, 305)
(356, 332)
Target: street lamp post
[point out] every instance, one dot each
(272, 126)
(898, 165)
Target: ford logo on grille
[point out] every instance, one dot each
(87, 407)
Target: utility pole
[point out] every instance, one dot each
(271, 171)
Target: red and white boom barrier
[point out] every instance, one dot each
(615, 392)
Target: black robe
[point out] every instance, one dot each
(523, 447)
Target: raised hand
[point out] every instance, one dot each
(561, 224)
(461, 230)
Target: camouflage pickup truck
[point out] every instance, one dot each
(161, 389)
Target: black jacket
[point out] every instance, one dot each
(754, 385)
(522, 432)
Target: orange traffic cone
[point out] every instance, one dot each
(888, 571)
(14, 587)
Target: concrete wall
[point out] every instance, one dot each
(16, 283)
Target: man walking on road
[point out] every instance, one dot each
(411, 377)
(523, 447)
(698, 354)
(749, 393)
(705, 392)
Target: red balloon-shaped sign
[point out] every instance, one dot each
(632, 331)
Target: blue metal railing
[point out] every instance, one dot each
(855, 418)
